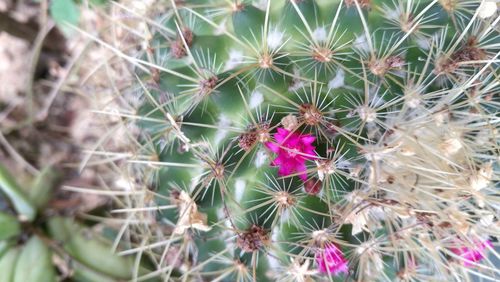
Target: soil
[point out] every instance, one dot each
(41, 123)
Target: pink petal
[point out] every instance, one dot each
(302, 168)
(281, 135)
(286, 148)
(307, 139)
(331, 260)
(309, 154)
(272, 146)
(286, 168)
(470, 255)
(278, 161)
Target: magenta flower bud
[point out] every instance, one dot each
(470, 255)
(293, 149)
(313, 186)
(330, 260)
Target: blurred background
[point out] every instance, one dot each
(42, 107)
(51, 77)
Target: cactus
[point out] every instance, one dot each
(312, 140)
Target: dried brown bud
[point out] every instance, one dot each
(310, 114)
(253, 239)
(313, 186)
(207, 85)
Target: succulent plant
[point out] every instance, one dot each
(311, 140)
(39, 245)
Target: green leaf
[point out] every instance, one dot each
(35, 263)
(99, 257)
(65, 13)
(4, 247)
(20, 202)
(85, 274)
(9, 226)
(7, 264)
(58, 230)
(40, 191)
(91, 252)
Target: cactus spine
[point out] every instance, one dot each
(301, 140)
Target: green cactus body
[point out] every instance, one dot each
(401, 100)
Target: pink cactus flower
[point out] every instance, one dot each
(470, 255)
(293, 150)
(331, 260)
